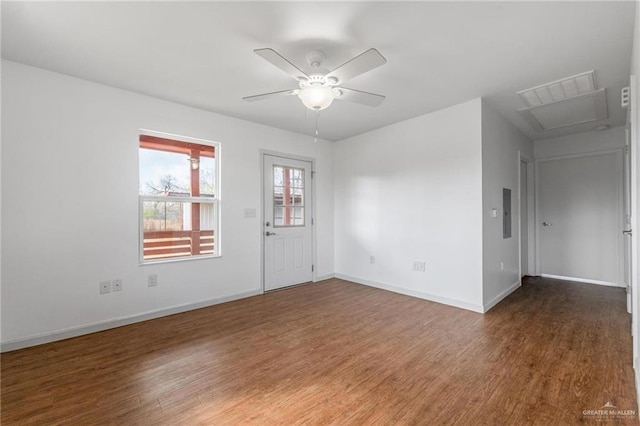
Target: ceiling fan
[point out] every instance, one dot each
(318, 89)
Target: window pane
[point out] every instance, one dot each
(278, 216)
(164, 173)
(277, 176)
(167, 230)
(163, 216)
(298, 216)
(208, 176)
(288, 196)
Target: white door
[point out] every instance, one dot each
(287, 222)
(580, 218)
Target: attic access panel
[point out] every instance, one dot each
(559, 90)
(580, 109)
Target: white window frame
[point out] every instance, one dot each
(215, 201)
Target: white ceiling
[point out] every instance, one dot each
(439, 53)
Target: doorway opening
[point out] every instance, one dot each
(527, 216)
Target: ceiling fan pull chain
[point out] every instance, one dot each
(315, 140)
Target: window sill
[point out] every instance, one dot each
(178, 259)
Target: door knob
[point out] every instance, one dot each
(268, 234)
(546, 224)
(627, 232)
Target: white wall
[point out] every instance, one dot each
(410, 192)
(502, 144)
(580, 143)
(70, 205)
(1, 189)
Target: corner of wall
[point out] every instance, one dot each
(502, 146)
(427, 162)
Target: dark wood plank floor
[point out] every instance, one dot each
(340, 353)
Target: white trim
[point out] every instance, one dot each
(39, 339)
(634, 142)
(179, 138)
(314, 251)
(579, 155)
(431, 297)
(627, 186)
(178, 199)
(323, 277)
(213, 200)
(581, 280)
(513, 287)
(531, 193)
(531, 255)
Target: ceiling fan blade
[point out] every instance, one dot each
(281, 62)
(270, 95)
(360, 97)
(359, 65)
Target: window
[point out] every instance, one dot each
(179, 205)
(288, 196)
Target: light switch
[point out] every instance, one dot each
(494, 212)
(249, 213)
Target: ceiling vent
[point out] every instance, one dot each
(559, 90)
(566, 102)
(624, 97)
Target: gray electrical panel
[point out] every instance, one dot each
(506, 217)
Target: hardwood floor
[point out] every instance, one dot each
(340, 353)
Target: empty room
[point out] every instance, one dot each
(322, 212)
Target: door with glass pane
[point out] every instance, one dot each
(287, 222)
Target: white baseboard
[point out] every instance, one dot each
(513, 287)
(431, 297)
(581, 280)
(12, 345)
(324, 277)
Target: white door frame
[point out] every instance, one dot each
(311, 160)
(620, 153)
(634, 121)
(531, 220)
(628, 187)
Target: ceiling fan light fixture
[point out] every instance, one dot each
(319, 88)
(316, 98)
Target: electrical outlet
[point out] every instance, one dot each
(419, 266)
(152, 280)
(105, 287)
(116, 285)
(502, 266)
(372, 259)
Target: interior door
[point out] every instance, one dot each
(287, 222)
(580, 218)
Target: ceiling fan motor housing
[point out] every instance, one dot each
(315, 58)
(314, 80)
